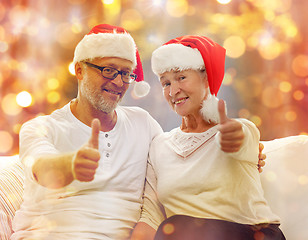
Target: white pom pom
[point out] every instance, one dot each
(141, 89)
(209, 109)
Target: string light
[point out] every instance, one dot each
(223, 1)
(71, 68)
(107, 2)
(24, 99)
(235, 46)
(177, 8)
(6, 142)
(157, 3)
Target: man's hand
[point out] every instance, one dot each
(231, 132)
(85, 161)
(57, 171)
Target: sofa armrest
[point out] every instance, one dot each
(285, 183)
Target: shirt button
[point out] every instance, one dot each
(106, 135)
(107, 154)
(108, 144)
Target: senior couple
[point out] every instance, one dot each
(86, 163)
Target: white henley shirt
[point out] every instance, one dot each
(107, 207)
(188, 174)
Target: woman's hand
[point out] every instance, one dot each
(231, 131)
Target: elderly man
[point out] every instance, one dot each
(86, 162)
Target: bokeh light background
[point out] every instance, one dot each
(266, 78)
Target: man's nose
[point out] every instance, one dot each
(118, 81)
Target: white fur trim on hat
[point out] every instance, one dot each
(176, 57)
(120, 45)
(141, 89)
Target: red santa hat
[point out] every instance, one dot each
(192, 52)
(105, 40)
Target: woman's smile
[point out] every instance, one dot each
(180, 101)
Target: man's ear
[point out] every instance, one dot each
(78, 71)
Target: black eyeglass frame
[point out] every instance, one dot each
(132, 76)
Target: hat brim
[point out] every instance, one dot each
(176, 57)
(102, 45)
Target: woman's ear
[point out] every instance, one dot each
(204, 76)
(206, 82)
(78, 71)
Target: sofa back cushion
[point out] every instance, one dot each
(285, 183)
(11, 191)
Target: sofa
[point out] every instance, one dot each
(285, 183)
(11, 190)
(284, 179)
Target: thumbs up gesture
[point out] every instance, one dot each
(231, 132)
(85, 161)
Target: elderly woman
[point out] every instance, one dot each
(202, 178)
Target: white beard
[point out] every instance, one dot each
(209, 109)
(95, 97)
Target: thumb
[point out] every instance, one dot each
(222, 111)
(93, 141)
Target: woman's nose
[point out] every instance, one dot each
(174, 89)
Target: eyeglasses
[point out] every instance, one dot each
(112, 73)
